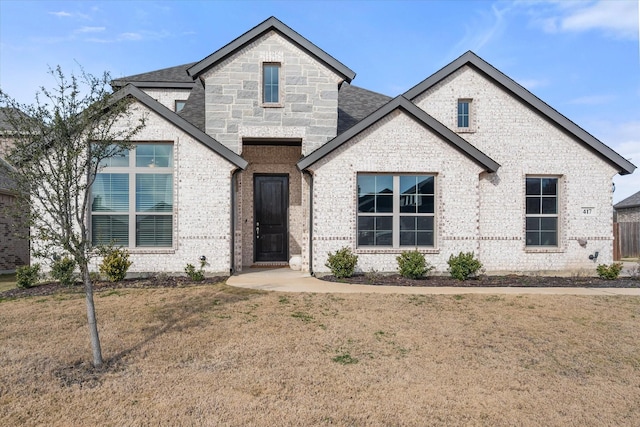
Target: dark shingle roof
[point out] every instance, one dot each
(179, 122)
(172, 77)
(419, 115)
(354, 104)
(632, 201)
(193, 110)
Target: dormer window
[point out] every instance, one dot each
(271, 83)
(179, 105)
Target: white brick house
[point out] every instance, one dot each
(263, 151)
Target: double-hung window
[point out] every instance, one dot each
(271, 83)
(541, 211)
(132, 198)
(396, 210)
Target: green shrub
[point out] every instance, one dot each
(195, 275)
(609, 272)
(27, 275)
(115, 263)
(343, 263)
(463, 265)
(62, 270)
(412, 264)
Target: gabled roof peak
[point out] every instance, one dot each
(523, 95)
(271, 24)
(403, 104)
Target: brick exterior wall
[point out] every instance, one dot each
(14, 245)
(308, 91)
(396, 144)
(202, 204)
(628, 214)
(526, 144)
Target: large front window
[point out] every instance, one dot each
(542, 212)
(132, 198)
(396, 210)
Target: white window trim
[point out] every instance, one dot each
(280, 102)
(132, 171)
(472, 116)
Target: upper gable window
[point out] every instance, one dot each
(465, 119)
(463, 113)
(271, 83)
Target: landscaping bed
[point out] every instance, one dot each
(490, 281)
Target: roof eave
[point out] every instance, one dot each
(623, 166)
(181, 123)
(272, 24)
(153, 85)
(420, 115)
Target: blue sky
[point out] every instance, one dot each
(581, 57)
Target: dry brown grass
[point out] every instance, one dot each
(215, 355)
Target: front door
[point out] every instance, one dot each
(271, 202)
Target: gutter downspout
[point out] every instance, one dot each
(310, 220)
(233, 220)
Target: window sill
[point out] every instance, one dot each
(465, 130)
(151, 251)
(272, 105)
(387, 250)
(543, 250)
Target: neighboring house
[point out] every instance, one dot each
(628, 210)
(263, 151)
(14, 242)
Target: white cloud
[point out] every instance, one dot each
(618, 19)
(484, 28)
(61, 14)
(90, 29)
(130, 36)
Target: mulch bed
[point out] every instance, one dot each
(101, 286)
(491, 281)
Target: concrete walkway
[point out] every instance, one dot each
(287, 280)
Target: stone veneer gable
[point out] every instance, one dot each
(308, 92)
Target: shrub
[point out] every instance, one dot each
(27, 275)
(62, 270)
(115, 263)
(609, 272)
(463, 265)
(343, 263)
(195, 275)
(412, 264)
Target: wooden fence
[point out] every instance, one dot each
(626, 240)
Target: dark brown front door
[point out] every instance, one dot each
(271, 202)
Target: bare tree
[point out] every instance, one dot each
(59, 144)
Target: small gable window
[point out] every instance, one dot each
(271, 83)
(464, 114)
(179, 105)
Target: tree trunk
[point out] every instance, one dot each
(91, 318)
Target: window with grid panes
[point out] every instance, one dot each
(132, 198)
(396, 210)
